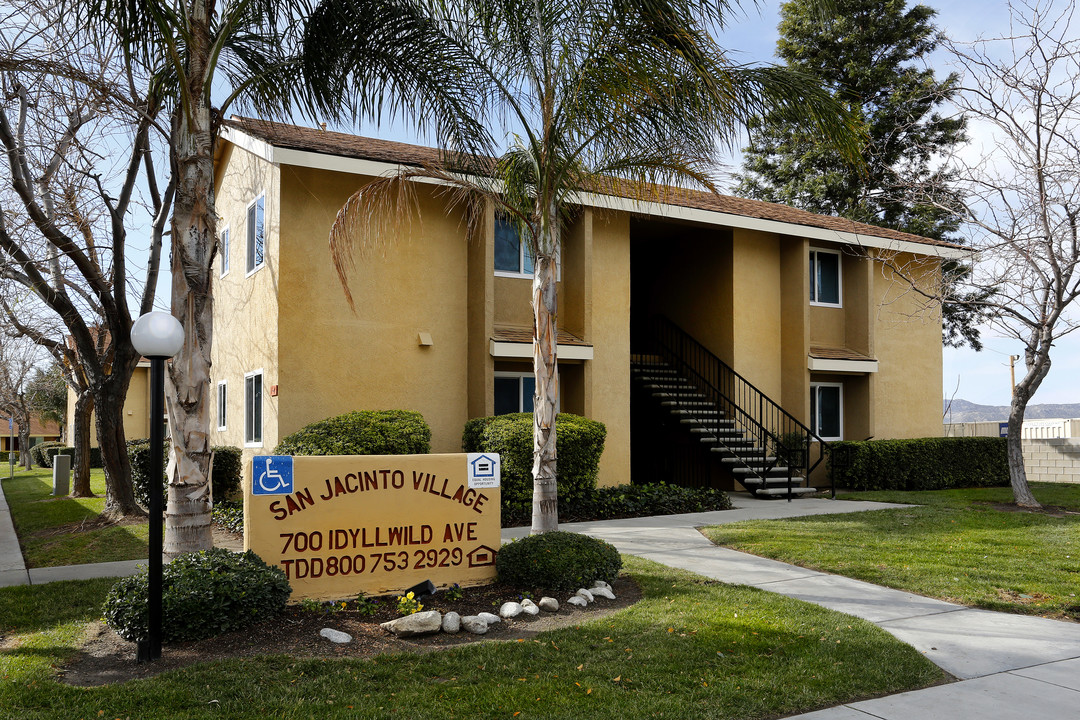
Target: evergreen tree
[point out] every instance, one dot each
(868, 54)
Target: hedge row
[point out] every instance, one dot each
(364, 432)
(5, 456)
(920, 464)
(37, 453)
(42, 454)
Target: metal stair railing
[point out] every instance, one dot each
(780, 437)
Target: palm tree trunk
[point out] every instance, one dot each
(545, 488)
(194, 232)
(80, 438)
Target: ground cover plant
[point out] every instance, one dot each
(69, 531)
(690, 648)
(970, 546)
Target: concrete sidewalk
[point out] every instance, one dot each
(1010, 666)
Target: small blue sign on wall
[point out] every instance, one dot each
(271, 475)
(1003, 429)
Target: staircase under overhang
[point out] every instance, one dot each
(739, 432)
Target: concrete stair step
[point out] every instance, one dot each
(782, 492)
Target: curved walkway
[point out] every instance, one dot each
(1009, 666)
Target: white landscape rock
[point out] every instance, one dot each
(530, 607)
(578, 601)
(451, 622)
(603, 592)
(549, 604)
(510, 610)
(421, 623)
(489, 618)
(336, 636)
(582, 592)
(474, 624)
(601, 584)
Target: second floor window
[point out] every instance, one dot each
(256, 235)
(224, 252)
(825, 278)
(511, 255)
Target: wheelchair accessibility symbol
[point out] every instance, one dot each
(272, 475)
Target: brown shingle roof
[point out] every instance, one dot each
(354, 146)
(824, 353)
(525, 335)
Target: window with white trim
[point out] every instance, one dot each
(253, 402)
(514, 392)
(256, 234)
(222, 398)
(512, 256)
(224, 252)
(825, 285)
(827, 410)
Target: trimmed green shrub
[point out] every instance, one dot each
(95, 457)
(626, 501)
(557, 561)
(225, 478)
(203, 594)
(229, 514)
(363, 432)
(920, 464)
(6, 456)
(579, 443)
(37, 453)
(228, 468)
(51, 452)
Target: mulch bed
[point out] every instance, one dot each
(107, 658)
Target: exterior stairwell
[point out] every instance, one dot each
(751, 437)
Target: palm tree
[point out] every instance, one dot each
(624, 97)
(251, 49)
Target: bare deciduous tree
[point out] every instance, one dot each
(75, 127)
(18, 359)
(1023, 196)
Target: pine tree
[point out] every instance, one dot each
(868, 54)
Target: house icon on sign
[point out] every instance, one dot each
(481, 556)
(483, 466)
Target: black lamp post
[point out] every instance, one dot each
(157, 336)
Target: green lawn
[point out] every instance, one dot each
(62, 530)
(956, 547)
(691, 648)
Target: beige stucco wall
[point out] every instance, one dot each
(335, 360)
(245, 305)
(756, 309)
(136, 408)
(608, 374)
(907, 343)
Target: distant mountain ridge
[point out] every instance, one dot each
(964, 411)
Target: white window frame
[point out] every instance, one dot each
(519, 375)
(839, 278)
(222, 404)
(249, 410)
(249, 236)
(815, 425)
(521, 261)
(225, 238)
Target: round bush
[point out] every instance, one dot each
(203, 594)
(363, 432)
(37, 453)
(557, 561)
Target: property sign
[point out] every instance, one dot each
(341, 525)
